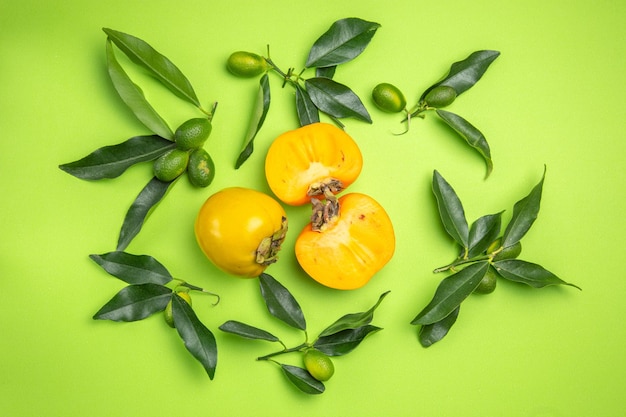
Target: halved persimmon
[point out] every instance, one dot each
(347, 241)
(301, 163)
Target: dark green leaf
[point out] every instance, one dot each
(483, 231)
(261, 107)
(528, 273)
(307, 111)
(432, 333)
(112, 161)
(302, 379)
(135, 302)
(247, 331)
(342, 42)
(148, 197)
(464, 74)
(281, 303)
(471, 135)
(198, 340)
(345, 341)
(134, 98)
(450, 210)
(336, 99)
(451, 292)
(327, 72)
(525, 212)
(158, 65)
(133, 269)
(354, 320)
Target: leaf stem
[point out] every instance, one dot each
(192, 287)
(284, 351)
(461, 261)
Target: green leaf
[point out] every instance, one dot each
(525, 212)
(450, 210)
(247, 331)
(135, 302)
(197, 338)
(134, 98)
(307, 111)
(112, 161)
(482, 232)
(281, 303)
(354, 320)
(471, 135)
(343, 41)
(345, 341)
(464, 74)
(302, 379)
(146, 200)
(144, 55)
(528, 273)
(327, 72)
(432, 333)
(451, 292)
(335, 99)
(261, 107)
(133, 269)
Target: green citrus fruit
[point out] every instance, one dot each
(389, 98)
(169, 318)
(201, 169)
(246, 64)
(171, 165)
(319, 365)
(440, 96)
(192, 134)
(510, 252)
(487, 285)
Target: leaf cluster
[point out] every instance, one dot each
(338, 339)
(113, 160)
(462, 76)
(482, 253)
(148, 293)
(320, 94)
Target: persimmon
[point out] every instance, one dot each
(300, 163)
(348, 240)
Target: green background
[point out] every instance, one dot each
(555, 96)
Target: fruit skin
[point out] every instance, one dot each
(487, 285)
(171, 165)
(319, 365)
(389, 98)
(193, 133)
(169, 318)
(201, 169)
(510, 252)
(309, 156)
(234, 224)
(246, 64)
(440, 96)
(351, 247)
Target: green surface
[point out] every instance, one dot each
(555, 96)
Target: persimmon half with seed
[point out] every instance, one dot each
(300, 163)
(347, 241)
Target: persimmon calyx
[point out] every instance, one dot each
(267, 252)
(328, 187)
(324, 211)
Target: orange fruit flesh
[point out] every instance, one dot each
(310, 155)
(350, 249)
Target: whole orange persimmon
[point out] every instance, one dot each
(302, 163)
(347, 241)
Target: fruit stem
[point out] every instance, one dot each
(298, 348)
(459, 262)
